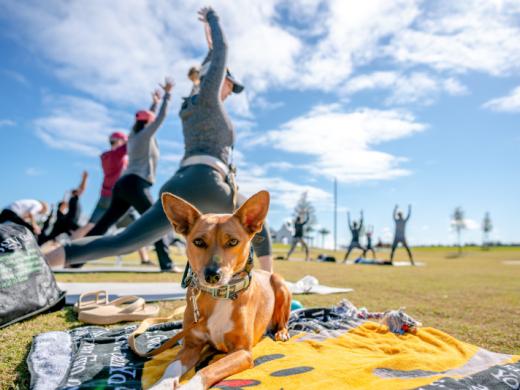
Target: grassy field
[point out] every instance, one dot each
(475, 297)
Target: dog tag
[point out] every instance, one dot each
(196, 313)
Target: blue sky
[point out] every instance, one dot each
(403, 101)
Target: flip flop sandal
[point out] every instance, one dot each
(174, 270)
(100, 298)
(116, 311)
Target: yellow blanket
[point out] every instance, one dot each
(365, 357)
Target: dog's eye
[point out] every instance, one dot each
(199, 243)
(231, 243)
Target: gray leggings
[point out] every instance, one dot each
(200, 185)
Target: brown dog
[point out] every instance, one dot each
(229, 308)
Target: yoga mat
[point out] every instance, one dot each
(511, 262)
(316, 289)
(395, 263)
(87, 270)
(164, 291)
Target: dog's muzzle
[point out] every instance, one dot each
(212, 273)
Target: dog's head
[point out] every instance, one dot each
(217, 245)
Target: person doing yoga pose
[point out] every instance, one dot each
(369, 232)
(113, 163)
(205, 177)
(67, 214)
(132, 189)
(299, 224)
(355, 230)
(399, 237)
(24, 212)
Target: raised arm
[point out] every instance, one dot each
(361, 220)
(207, 33)
(307, 217)
(154, 126)
(348, 220)
(409, 212)
(83, 184)
(212, 79)
(394, 214)
(156, 98)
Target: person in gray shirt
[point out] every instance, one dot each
(204, 178)
(369, 247)
(355, 230)
(399, 237)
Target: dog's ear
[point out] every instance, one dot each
(182, 215)
(253, 212)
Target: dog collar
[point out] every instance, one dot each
(228, 291)
(239, 282)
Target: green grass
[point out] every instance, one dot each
(475, 298)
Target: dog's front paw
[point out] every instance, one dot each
(194, 383)
(282, 335)
(166, 384)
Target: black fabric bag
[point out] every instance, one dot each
(27, 284)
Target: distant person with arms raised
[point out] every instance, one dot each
(400, 227)
(355, 230)
(369, 232)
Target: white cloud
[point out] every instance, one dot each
(76, 125)
(34, 171)
(341, 143)
(508, 103)
(264, 104)
(469, 224)
(121, 51)
(284, 193)
(353, 32)
(460, 36)
(7, 122)
(417, 87)
(18, 77)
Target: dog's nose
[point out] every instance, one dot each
(212, 274)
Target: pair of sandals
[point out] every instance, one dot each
(95, 308)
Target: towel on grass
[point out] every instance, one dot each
(337, 347)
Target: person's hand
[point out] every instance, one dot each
(84, 174)
(168, 85)
(203, 14)
(36, 229)
(156, 96)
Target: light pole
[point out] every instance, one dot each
(335, 213)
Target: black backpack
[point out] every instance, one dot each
(27, 284)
